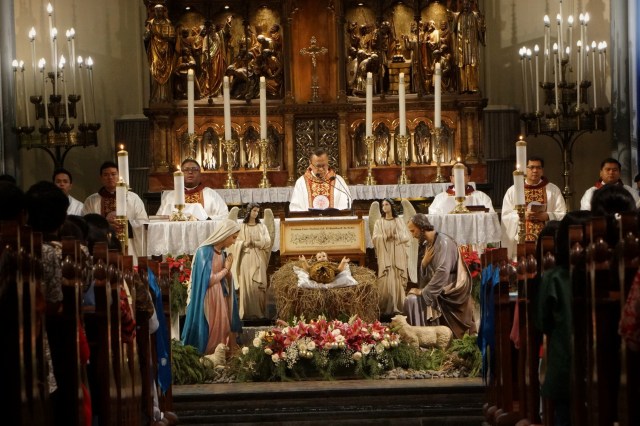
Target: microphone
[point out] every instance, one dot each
(345, 191)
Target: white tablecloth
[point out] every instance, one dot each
(358, 192)
(184, 237)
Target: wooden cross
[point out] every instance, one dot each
(314, 50)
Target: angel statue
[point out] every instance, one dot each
(391, 242)
(252, 251)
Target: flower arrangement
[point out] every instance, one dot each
(325, 348)
(180, 273)
(472, 260)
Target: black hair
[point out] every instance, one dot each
(189, 160)
(46, 206)
(535, 158)
(12, 201)
(610, 160)
(611, 199)
(250, 207)
(319, 151)
(8, 178)
(60, 170)
(108, 165)
(392, 204)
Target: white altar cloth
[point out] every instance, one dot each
(177, 238)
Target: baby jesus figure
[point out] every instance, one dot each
(321, 270)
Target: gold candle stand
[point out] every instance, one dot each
(403, 142)
(522, 229)
(230, 147)
(264, 183)
(460, 207)
(123, 233)
(437, 134)
(368, 142)
(179, 216)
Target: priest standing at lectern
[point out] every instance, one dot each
(320, 187)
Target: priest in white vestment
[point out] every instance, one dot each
(320, 187)
(544, 202)
(445, 202)
(194, 193)
(103, 203)
(609, 174)
(63, 179)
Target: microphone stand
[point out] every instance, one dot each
(345, 192)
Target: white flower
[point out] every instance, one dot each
(262, 334)
(245, 350)
(311, 345)
(366, 349)
(275, 358)
(379, 348)
(268, 351)
(285, 330)
(385, 343)
(340, 339)
(302, 346)
(375, 335)
(328, 345)
(257, 342)
(336, 332)
(356, 356)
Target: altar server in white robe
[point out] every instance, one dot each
(544, 202)
(103, 203)
(320, 187)
(444, 202)
(609, 175)
(62, 179)
(195, 193)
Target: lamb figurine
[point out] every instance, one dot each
(438, 336)
(219, 356)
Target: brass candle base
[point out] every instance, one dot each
(370, 180)
(123, 233)
(522, 229)
(264, 182)
(403, 141)
(179, 216)
(230, 147)
(437, 151)
(460, 208)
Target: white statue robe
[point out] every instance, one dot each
(342, 199)
(556, 208)
(443, 203)
(585, 202)
(136, 214)
(214, 205)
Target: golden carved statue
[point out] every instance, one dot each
(214, 62)
(469, 27)
(159, 38)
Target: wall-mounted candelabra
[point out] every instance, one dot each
(55, 99)
(570, 105)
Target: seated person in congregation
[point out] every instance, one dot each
(444, 282)
(320, 187)
(194, 193)
(445, 202)
(320, 270)
(609, 175)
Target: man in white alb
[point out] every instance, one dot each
(195, 193)
(320, 187)
(444, 202)
(62, 179)
(609, 175)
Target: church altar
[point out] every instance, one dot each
(164, 237)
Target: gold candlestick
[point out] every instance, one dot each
(230, 147)
(123, 232)
(368, 141)
(437, 135)
(522, 229)
(403, 142)
(179, 216)
(460, 207)
(264, 183)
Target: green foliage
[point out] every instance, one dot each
(186, 366)
(467, 351)
(178, 296)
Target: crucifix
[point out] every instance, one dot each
(314, 50)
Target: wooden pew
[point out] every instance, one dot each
(548, 261)
(166, 400)
(130, 350)
(143, 340)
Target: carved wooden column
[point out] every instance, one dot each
(287, 52)
(289, 146)
(341, 92)
(470, 137)
(159, 142)
(343, 137)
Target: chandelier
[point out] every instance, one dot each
(572, 82)
(56, 127)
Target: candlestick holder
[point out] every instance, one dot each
(123, 232)
(460, 208)
(262, 144)
(403, 142)
(522, 229)
(368, 142)
(179, 216)
(230, 148)
(437, 151)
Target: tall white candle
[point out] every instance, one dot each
(593, 69)
(190, 103)
(50, 12)
(178, 187)
(84, 110)
(34, 65)
(585, 41)
(437, 122)
(518, 184)
(559, 21)
(582, 42)
(71, 40)
(368, 120)
(536, 49)
(26, 97)
(523, 53)
(65, 101)
(402, 106)
(14, 65)
(533, 83)
(547, 45)
(561, 35)
(54, 40)
(458, 179)
(263, 108)
(521, 154)
(121, 198)
(555, 69)
(570, 24)
(93, 93)
(45, 101)
(123, 164)
(226, 98)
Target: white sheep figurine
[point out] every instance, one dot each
(438, 336)
(219, 356)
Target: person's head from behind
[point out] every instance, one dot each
(610, 170)
(8, 178)
(46, 207)
(109, 175)
(192, 175)
(319, 162)
(12, 201)
(611, 199)
(100, 231)
(63, 180)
